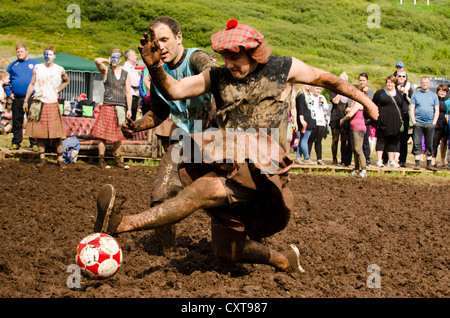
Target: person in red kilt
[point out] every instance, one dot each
(115, 109)
(44, 116)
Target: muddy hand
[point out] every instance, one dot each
(128, 129)
(150, 49)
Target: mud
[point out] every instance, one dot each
(343, 227)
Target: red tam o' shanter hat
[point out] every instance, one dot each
(235, 36)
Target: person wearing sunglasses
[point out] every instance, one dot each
(404, 87)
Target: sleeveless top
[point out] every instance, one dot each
(47, 81)
(191, 115)
(115, 89)
(358, 122)
(252, 102)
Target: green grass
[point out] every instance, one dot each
(332, 35)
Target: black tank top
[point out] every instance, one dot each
(115, 89)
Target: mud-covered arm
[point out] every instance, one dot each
(148, 121)
(306, 74)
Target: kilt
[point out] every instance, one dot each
(105, 126)
(260, 203)
(50, 125)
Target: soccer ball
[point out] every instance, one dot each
(99, 255)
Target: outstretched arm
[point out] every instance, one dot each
(306, 74)
(148, 121)
(171, 88)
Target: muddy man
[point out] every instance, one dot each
(223, 171)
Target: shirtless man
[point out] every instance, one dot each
(246, 201)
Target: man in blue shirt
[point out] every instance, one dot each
(20, 72)
(424, 113)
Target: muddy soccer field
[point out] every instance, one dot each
(344, 227)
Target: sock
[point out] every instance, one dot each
(42, 155)
(428, 162)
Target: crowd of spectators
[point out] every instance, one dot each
(419, 117)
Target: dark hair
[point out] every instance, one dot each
(364, 75)
(173, 24)
(442, 87)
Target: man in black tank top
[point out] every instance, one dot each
(117, 100)
(247, 202)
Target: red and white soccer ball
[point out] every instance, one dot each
(99, 255)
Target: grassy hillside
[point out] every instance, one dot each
(333, 35)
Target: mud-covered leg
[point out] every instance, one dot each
(234, 246)
(205, 192)
(167, 185)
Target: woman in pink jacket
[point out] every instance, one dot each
(354, 113)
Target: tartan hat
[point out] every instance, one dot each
(235, 36)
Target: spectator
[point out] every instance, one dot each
(144, 91)
(20, 72)
(47, 81)
(400, 66)
(115, 109)
(318, 106)
(339, 104)
(424, 113)
(389, 123)
(404, 87)
(4, 80)
(441, 129)
(129, 66)
(363, 81)
(357, 133)
(292, 128)
(305, 124)
(447, 115)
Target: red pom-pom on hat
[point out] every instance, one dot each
(231, 24)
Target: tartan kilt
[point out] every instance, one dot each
(105, 126)
(50, 125)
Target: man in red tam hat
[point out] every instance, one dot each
(224, 172)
